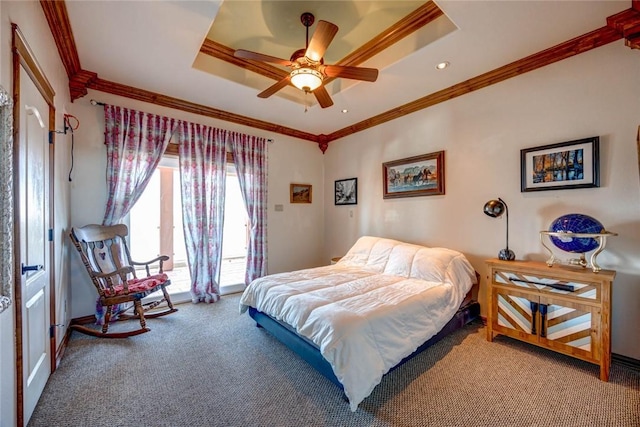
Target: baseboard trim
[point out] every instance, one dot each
(627, 362)
(232, 289)
(618, 359)
(83, 320)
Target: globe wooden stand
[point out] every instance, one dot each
(582, 261)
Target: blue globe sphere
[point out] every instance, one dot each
(575, 223)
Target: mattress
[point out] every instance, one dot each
(370, 310)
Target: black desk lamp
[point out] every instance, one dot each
(495, 209)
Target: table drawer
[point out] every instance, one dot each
(541, 283)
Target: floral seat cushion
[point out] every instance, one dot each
(138, 285)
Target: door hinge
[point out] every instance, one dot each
(51, 234)
(51, 136)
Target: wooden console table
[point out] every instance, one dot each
(564, 309)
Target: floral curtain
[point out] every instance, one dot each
(250, 158)
(203, 173)
(6, 199)
(135, 143)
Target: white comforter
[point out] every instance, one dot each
(379, 303)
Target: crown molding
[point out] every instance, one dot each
(556, 53)
(625, 24)
(417, 19)
(58, 20)
(220, 51)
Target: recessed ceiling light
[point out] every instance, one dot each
(345, 110)
(442, 65)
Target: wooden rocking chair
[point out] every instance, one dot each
(106, 256)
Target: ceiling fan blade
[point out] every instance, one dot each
(355, 73)
(247, 54)
(322, 36)
(274, 88)
(323, 97)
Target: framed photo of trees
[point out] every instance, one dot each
(566, 165)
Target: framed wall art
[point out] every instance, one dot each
(414, 176)
(566, 165)
(300, 193)
(346, 191)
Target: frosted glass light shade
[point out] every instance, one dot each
(306, 79)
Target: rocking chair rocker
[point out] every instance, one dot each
(106, 256)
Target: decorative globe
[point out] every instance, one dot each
(576, 223)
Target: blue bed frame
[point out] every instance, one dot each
(310, 352)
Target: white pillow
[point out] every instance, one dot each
(444, 265)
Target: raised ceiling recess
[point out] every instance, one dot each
(308, 70)
(276, 29)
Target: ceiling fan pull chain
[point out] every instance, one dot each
(306, 102)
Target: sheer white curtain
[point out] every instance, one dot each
(203, 174)
(135, 143)
(250, 158)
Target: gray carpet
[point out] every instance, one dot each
(230, 373)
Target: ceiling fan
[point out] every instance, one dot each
(308, 70)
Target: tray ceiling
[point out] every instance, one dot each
(155, 52)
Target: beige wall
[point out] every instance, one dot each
(482, 133)
(32, 23)
(295, 235)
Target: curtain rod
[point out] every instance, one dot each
(94, 103)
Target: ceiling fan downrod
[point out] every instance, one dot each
(307, 20)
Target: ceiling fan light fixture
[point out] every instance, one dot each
(306, 79)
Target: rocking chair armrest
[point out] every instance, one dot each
(159, 259)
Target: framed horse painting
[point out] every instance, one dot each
(414, 176)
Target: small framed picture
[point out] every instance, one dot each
(562, 166)
(414, 176)
(346, 191)
(300, 193)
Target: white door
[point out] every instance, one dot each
(33, 175)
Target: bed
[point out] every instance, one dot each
(356, 320)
